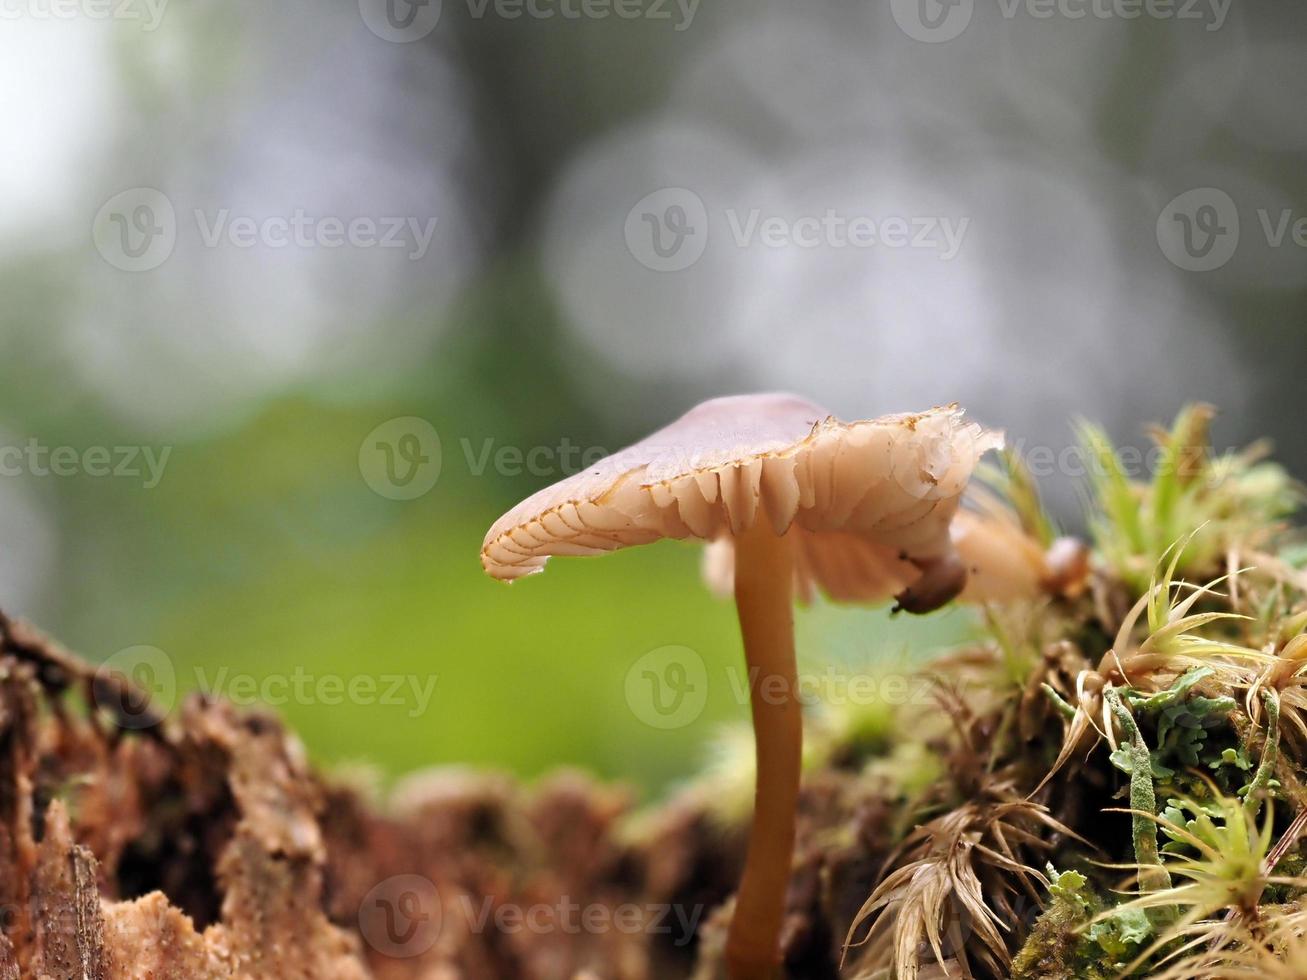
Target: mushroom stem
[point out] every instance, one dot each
(764, 582)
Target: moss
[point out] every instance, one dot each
(1201, 691)
(1058, 948)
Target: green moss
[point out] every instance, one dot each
(1076, 939)
(1170, 712)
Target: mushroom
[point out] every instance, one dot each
(794, 501)
(1006, 564)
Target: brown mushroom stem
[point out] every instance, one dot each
(764, 574)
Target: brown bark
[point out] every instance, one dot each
(202, 845)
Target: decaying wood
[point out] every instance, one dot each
(200, 844)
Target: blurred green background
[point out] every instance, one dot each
(532, 318)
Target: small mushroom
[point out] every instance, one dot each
(1005, 564)
(794, 501)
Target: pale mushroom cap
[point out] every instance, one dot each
(1003, 563)
(862, 500)
(1006, 564)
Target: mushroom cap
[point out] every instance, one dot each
(1004, 563)
(864, 502)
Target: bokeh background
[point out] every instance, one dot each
(607, 211)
